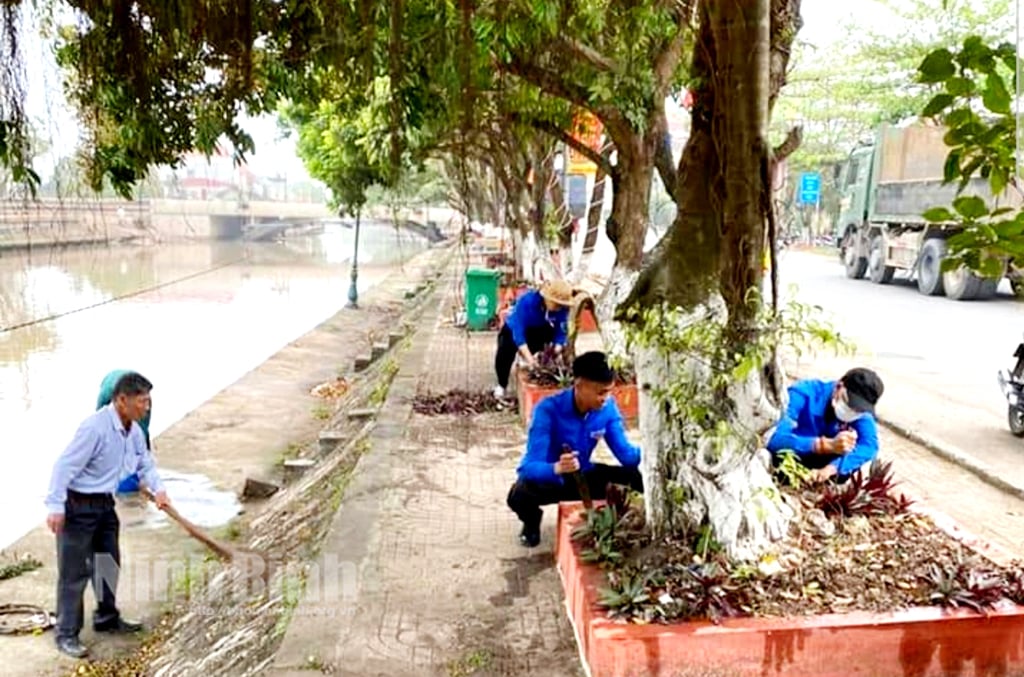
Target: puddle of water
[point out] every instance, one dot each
(194, 496)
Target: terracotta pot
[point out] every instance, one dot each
(918, 642)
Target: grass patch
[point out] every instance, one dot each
(470, 663)
(291, 451)
(380, 391)
(23, 565)
(321, 413)
(292, 587)
(232, 531)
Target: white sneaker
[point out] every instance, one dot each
(499, 392)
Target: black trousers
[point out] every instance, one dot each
(536, 339)
(526, 497)
(88, 547)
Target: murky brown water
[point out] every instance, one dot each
(192, 317)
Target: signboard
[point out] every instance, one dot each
(577, 194)
(588, 130)
(810, 188)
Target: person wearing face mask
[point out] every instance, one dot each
(830, 425)
(564, 431)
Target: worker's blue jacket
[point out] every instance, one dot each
(805, 420)
(556, 423)
(529, 312)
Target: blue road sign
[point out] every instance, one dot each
(810, 188)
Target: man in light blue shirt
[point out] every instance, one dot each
(129, 484)
(80, 504)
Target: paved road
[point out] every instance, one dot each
(938, 357)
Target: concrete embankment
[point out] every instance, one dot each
(244, 431)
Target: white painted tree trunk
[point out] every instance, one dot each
(537, 263)
(620, 283)
(691, 477)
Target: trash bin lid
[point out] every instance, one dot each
(482, 272)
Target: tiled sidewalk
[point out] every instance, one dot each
(444, 587)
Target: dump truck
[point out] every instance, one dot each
(885, 187)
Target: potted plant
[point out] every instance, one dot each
(866, 583)
(553, 372)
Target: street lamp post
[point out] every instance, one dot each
(353, 291)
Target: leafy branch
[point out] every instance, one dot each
(975, 104)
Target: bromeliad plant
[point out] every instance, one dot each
(872, 494)
(553, 369)
(599, 535)
(964, 586)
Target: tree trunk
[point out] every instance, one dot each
(627, 229)
(701, 413)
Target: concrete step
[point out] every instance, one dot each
(330, 439)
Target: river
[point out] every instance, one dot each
(191, 317)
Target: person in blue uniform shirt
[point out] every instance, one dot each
(539, 317)
(130, 483)
(564, 431)
(80, 509)
(830, 425)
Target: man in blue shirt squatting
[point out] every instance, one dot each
(830, 425)
(539, 317)
(129, 484)
(108, 446)
(565, 429)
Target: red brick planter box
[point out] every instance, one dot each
(587, 323)
(530, 394)
(921, 642)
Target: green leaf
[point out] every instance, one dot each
(974, 53)
(939, 103)
(938, 215)
(970, 206)
(997, 179)
(936, 67)
(959, 86)
(995, 97)
(952, 168)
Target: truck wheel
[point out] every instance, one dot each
(963, 285)
(988, 289)
(855, 265)
(878, 272)
(929, 267)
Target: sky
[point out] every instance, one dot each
(824, 23)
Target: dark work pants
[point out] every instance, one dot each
(87, 548)
(526, 497)
(536, 339)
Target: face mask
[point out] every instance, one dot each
(844, 413)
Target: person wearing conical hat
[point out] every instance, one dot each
(539, 317)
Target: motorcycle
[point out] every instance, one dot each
(1012, 385)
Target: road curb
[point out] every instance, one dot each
(955, 456)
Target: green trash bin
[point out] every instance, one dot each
(481, 297)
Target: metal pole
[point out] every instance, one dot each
(353, 292)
